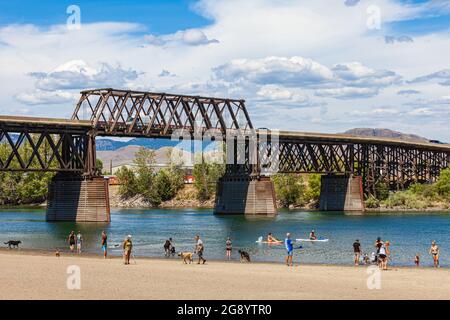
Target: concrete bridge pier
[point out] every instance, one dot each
(249, 195)
(341, 193)
(78, 198)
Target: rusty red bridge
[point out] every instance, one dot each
(352, 167)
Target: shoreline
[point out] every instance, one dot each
(399, 210)
(91, 255)
(33, 275)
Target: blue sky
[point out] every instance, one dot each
(310, 65)
(162, 16)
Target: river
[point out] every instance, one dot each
(408, 233)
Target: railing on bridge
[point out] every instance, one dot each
(148, 114)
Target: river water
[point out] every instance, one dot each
(408, 233)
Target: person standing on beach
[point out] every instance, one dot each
(383, 255)
(79, 241)
(289, 249)
(434, 251)
(357, 251)
(199, 248)
(72, 240)
(104, 244)
(378, 244)
(127, 247)
(228, 248)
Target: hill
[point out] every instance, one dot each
(385, 133)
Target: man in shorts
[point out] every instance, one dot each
(289, 248)
(199, 249)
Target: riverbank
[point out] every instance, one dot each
(34, 275)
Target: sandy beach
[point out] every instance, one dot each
(40, 275)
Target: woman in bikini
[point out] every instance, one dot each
(434, 251)
(228, 248)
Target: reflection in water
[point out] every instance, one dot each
(408, 233)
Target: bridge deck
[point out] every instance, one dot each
(38, 121)
(344, 138)
(56, 123)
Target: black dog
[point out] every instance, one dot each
(244, 256)
(13, 243)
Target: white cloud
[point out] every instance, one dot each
(39, 97)
(77, 74)
(408, 92)
(323, 34)
(288, 71)
(347, 92)
(272, 93)
(439, 75)
(191, 37)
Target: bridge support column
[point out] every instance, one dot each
(74, 198)
(252, 196)
(341, 193)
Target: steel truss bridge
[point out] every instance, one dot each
(68, 146)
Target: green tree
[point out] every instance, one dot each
(442, 185)
(144, 161)
(382, 190)
(314, 185)
(289, 188)
(99, 165)
(128, 184)
(206, 177)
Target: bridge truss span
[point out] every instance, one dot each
(38, 144)
(147, 114)
(394, 163)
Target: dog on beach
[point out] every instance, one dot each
(186, 256)
(13, 243)
(245, 257)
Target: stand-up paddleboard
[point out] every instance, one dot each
(310, 240)
(261, 240)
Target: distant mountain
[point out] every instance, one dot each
(107, 144)
(385, 133)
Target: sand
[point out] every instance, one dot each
(40, 275)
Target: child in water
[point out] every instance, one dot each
(417, 260)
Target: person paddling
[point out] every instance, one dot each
(312, 235)
(271, 238)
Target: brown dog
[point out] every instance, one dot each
(186, 256)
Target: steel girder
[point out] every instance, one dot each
(43, 148)
(148, 114)
(396, 166)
